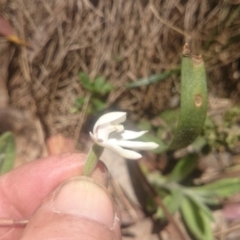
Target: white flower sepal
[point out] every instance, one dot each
(108, 133)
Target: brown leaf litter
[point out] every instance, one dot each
(121, 41)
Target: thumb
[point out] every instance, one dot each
(79, 209)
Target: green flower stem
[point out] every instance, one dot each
(92, 159)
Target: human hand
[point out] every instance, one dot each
(58, 203)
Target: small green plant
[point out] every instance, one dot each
(224, 133)
(98, 89)
(192, 201)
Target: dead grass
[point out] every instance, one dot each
(122, 41)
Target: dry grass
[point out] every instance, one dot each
(120, 40)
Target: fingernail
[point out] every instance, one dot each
(84, 198)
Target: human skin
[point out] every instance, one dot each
(58, 202)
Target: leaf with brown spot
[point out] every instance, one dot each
(193, 108)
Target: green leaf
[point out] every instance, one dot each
(154, 177)
(7, 152)
(183, 168)
(193, 108)
(144, 125)
(199, 143)
(207, 197)
(193, 102)
(152, 79)
(101, 86)
(168, 122)
(201, 205)
(74, 110)
(232, 116)
(98, 104)
(222, 188)
(79, 102)
(196, 219)
(150, 204)
(78, 105)
(107, 87)
(98, 83)
(84, 78)
(172, 203)
(148, 137)
(170, 117)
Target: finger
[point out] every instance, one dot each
(26, 187)
(78, 209)
(23, 189)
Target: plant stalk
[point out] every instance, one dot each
(92, 159)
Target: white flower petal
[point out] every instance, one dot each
(122, 152)
(112, 118)
(103, 131)
(136, 145)
(109, 133)
(126, 134)
(93, 137)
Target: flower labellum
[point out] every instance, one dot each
(109, 133)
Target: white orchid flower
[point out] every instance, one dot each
(109, 133)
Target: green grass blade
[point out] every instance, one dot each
(152, 79)
(85, 81)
